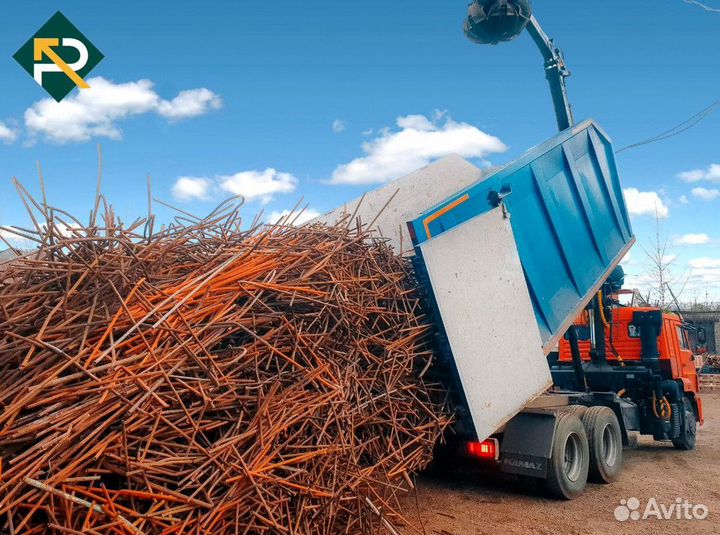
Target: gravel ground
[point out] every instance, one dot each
(475, 503)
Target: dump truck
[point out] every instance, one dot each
(518, 269)
(506, 267)
(526, 261)
(550, 376)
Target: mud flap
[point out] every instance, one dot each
(526, 446)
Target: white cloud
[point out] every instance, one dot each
(696, 175)
(19, 242)
(707, 279)
(645, 203)
(13, 239)
(296, 219)
(189, 103)
(338, 126)
(683, 199)
(693, 239)
(418, 142)
(9, 236)
(628, 260)
(712, 174)
(252, 185)
(705, 263)
(258, 184)
(704, 276)
(706, 194)
(188, 188)
(416, 122)
(439, 114)
(67, 231)
(95, 112)
(7, 135)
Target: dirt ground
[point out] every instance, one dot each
(467, 502)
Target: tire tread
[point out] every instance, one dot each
(590, 421)
(682, 443)
(552, 483)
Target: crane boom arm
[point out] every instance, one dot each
(555, 71)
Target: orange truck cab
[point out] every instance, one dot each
(623, 340)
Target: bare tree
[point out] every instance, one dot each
(664, 285)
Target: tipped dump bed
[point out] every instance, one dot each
(568, 216)
(511, 261)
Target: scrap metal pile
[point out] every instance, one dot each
(204, 379)
(712, 363)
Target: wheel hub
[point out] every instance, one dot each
(609, 445)
(572, 461)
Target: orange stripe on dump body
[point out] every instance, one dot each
(440, 213)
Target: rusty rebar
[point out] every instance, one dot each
(204, 379)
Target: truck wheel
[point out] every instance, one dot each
(568, 466)
(688, 432)
(577, 410)
(605, 442)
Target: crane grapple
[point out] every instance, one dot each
(490, 22)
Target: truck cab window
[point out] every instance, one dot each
(682, 338)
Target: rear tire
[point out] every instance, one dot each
(605, 443)
(688, 432)
(577, 410)
(569, 463)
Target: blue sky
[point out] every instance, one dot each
(273, 99)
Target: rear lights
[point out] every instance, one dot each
(488, 450)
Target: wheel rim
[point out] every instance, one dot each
(609, 445)
(573, 457)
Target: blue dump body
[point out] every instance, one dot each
(568, 216)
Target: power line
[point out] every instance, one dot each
(700, 4)
(677, 129)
